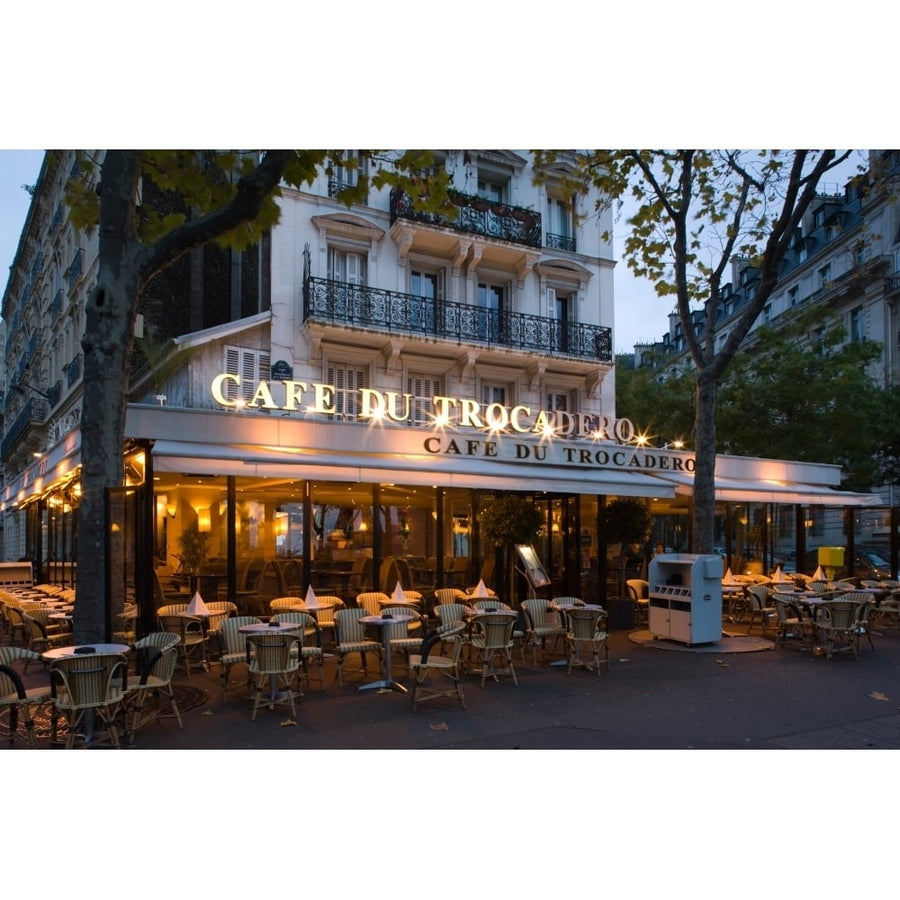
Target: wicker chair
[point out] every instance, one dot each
(862, 624)
(325, 617)
(792, 625)
(274, 661)
(351, 637)
(757, 597)
(838, 623)
(191, 639)
(423, 665)
(15, 697)
(39, 639)
(310, 642)
(157, 656)
(586, 627)
(283, 604)
(232, 646)
(519, 634)
(639, 592)
(372, 602)
(405, 636)
(219, 611)
(88, 685)
(538, 626)
(491, 639)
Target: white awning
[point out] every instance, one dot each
(736, 490)
(249, 460)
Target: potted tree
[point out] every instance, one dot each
(194, 545)
(509, 520)
(626, 520)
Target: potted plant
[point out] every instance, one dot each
(626, 520)
(194, 545)
(509, 520)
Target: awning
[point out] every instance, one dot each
(736, 490)
(191, 457)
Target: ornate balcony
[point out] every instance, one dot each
(33, 412)
(340, 303)
(476, 215)
(73, 371)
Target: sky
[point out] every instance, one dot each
(639, 314)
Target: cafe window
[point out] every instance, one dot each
(422, 388)
(347, 381)
(250, 366)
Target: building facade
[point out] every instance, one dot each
(343, 400)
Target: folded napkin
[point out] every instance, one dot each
(818, 575)
(728, 577)
(480, 589)
(778, 575)
(398, 596)
(310, 595)
(196, 607)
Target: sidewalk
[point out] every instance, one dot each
(650, 699)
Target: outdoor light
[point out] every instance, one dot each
(171, 509)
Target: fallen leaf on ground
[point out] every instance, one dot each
(439, 726)
(721, 662)
(623, 660)
(877, 695)
(207, 712)
(287, 722)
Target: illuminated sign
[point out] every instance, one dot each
(451, 412)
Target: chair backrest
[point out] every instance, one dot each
(232, 641)
(173, 609)
(786, 608)
(496, 630)
(371, 602)
(88, 680)
(401, 629)
(757, 595)
(638, 589)
(11, 654)
(188, 628)
(348, 628)
(566, 601)
(450, 612)
(492, 603)
(160, 640)
(535, 609)
(273, 652)
(449, 595)
(820, 587)
(307, 626)
(583, 624)
(283, 603)
(839, 614)
(325, 617)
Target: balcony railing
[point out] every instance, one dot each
(340, 303)
(56, 307)
(74, 269)
(476, 215)
(73, 371)
(34, 410)
(561, 242)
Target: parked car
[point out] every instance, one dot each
(869, 563)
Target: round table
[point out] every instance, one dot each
(60, 652)
(388, 682)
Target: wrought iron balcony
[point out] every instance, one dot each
(73, 371)
(476, 215)
(561, 242)
(340, 303)
(34, 411)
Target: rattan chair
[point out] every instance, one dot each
(351, 637)
(838, 625)
(191, 639)
(87, 686)
(274, 662)
(157, 656)
(372, 602)
(283, 604)
(586, 628)
(539, 628)
(792, 625)
(639, 592)
(757, 598)
(325, 617)
(15, 697)
(490, 637)
(405, 637)
(425, 665)
(310, 642)
(232, 646)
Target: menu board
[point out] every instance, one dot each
(532, 567)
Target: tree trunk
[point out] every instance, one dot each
(703, 514)
(107, 345)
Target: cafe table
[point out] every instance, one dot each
(384, 622)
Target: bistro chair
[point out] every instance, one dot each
(89, 685)
(232, 646)
(639, 592)
(325, 617)
(40, 640)
(757, 598)
(372, 602)
(310, 642)
(283, 604)
(219, 611)
(191, 639)
(519, 633)
(425, 665)
(15, 697)
(862, 624)
(273, 661)
(586, 628)
(538, 626)
(490, 637)
(838, 625)
(792, 625)
(351, 637)
(157, 656)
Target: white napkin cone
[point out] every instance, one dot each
(398, 596)
(819, 575)
(310, 596)
(778, 575)
(196, 607)
(480, 589)
(728, 578)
